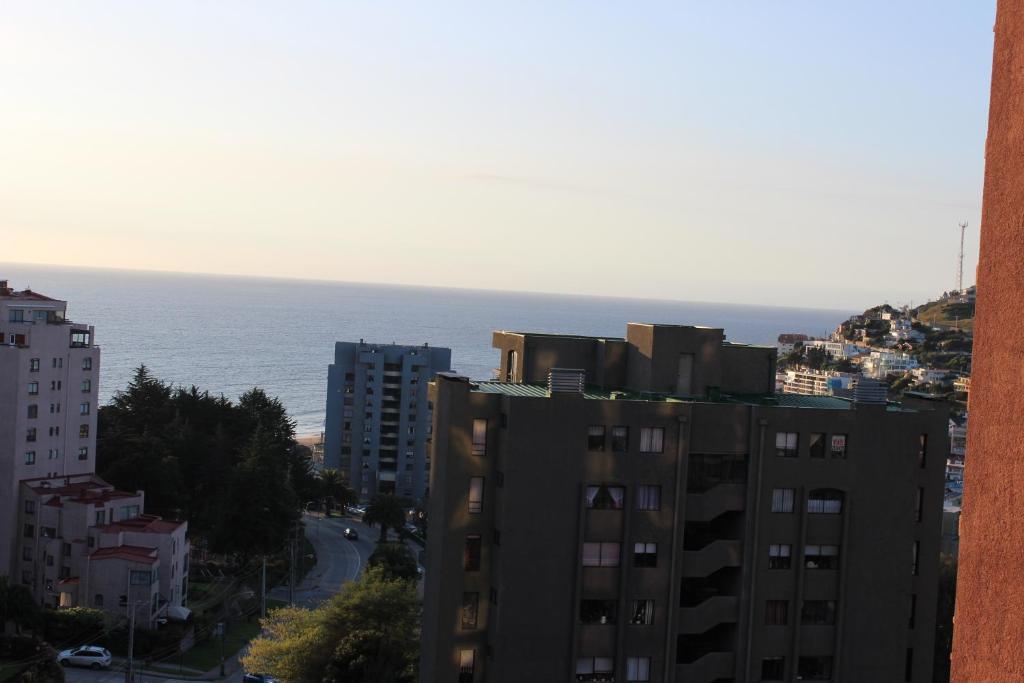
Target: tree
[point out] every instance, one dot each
(18, 606)
(333, 489)
(395, 560)
(366, 633)
(815, 358)
(386, 510)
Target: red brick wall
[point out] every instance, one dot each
(989, 624)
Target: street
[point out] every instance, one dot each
(338, 560)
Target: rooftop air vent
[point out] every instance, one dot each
(566, 381)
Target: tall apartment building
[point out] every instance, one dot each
(648, 509)
(378, 417)
(69, 536)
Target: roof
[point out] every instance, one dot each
(551, 335)
(147, 524)
(132, 553)
(28, 294)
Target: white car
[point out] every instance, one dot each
(88, 655)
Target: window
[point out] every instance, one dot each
(97, 600)
(708, 471)
(638, 669)
(642, 612)
(648, 497)
(818, 613)
(776, 612)
(601, 554)
(476, 494)
(919, 504)
(645, 554)
(33, 388)
(467, 665)
(87, 363)
(605, 497)
(620, 439)
(912, 610)
(839, 445)
(33, 411)
(598, 611)
(66, 548)
(30, 507)
(30, 435)
(915, 563)
(48, 532)
(786, 444)
(595, 438)
(493, 595)
(470, 607)
(139, 577)
(33, 365)
(83, 453)
(595, 669)
(922, 451)
(816, 445)
(773, 668)
(17, 315)
(479, 436)
(825, 502)
(101, 517)
(86, 385)
(782, 500)
(471, 553)
(83, 408)
(65, 572)
(128, 512)
(908, 668)
(29, 531)
(652, 439)
(821, 557)
(26, 553)
(83, 431)
(814, 669)
(30, 457)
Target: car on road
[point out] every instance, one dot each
(258, 678)
(91, 656)
(351, 534)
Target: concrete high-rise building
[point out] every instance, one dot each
(648, 509)
(378, 416)
(67, 535)
(49, 375)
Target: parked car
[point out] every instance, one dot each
(91, 656)
(258, 678)
(351, 534)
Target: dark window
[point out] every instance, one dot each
(620, 438)
(30, 435)
(471, 554)
(645, 554)
(601, 554)
(779, 555)
(922, 451)
(33, 365)
(605, 497)
(919, 504)
(30, 507)
(818, 613)
(648, 497)
(814, 669)
(499, 478)
(26, 553)
(816, 445)
(33, 411)
(87, 363)
(912, 610)
(29, 531)
(470, 608)
(839, 445)
(773, 668)
(776, 612)
(83, 431)
(786, 444)
(908, 669)
(915, 559)
(825, 502)
(494, 596)
(708, 471)
(595, 438)
(598, 611)
(821, 557)
(642, 613)
(97, 600)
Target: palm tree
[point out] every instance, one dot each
(386, 510)
(334, 490)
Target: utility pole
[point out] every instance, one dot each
(291, 569)
(263, 589)
(131, 642)
(960, 262)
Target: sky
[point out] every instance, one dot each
(797, 152)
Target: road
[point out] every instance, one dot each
(338, 560)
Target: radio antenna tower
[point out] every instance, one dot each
(960, 262)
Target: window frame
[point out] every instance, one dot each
(619, 438)
(780, 497)
(787, 450)
(597, 437)
(604, 557)
(645, 493)
(478, 442)
(652, 440)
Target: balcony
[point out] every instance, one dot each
(710, 667)
(712, 557)
(708, 614)
(704, 507)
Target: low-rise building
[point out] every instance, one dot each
(838, 350)
(881, 364)
(930, 375)
(816, 383)
(788, 343)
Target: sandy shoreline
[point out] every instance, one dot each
(308, 439)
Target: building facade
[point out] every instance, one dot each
(378, 417)
(69, 536)
(648, 509)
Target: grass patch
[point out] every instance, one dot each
(206, 656)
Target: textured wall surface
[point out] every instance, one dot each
(989, 624)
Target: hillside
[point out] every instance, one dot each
(946, 314)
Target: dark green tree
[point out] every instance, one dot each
(334, 490)
(387, 511)
(395, 560)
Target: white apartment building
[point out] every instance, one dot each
(836, 349)
(814, 383)
(881, 364)
(65, 533)
(930, 375)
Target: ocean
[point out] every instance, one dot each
(229, 334)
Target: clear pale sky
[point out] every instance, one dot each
(803, 153)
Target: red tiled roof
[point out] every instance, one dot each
(132, 553)
(29, 294)
(149, 524)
